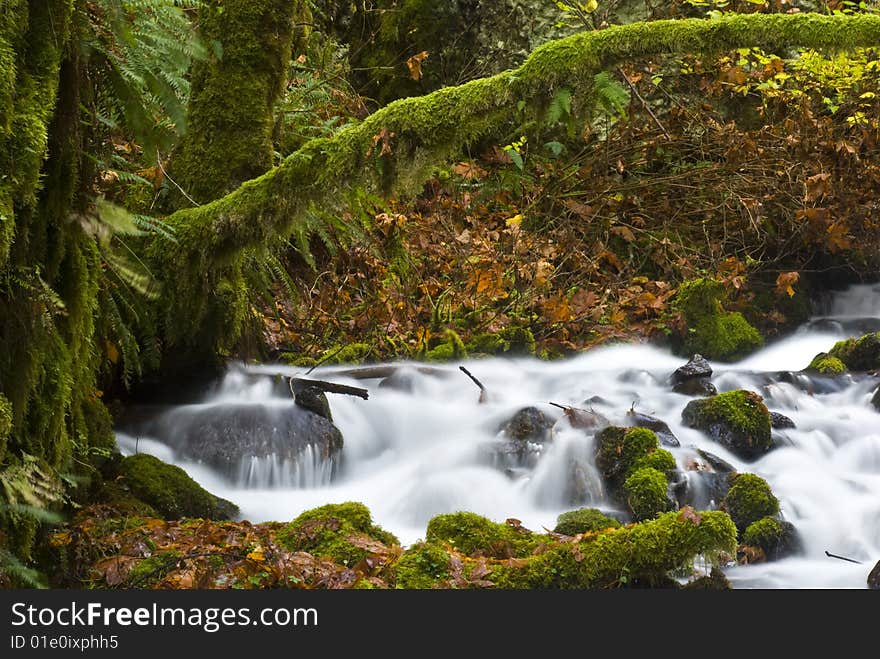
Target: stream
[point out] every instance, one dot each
(409, 455)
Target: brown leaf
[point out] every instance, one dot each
(785, 281)
(414, 64)
(817, 186)
(624, 232)
(688, 513)
(469, 170)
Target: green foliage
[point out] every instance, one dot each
(472, 534)
(825, 364)
(5, 423)
(748, 500)
(451, 348)
(333, 531)
(171, 491)
(585, 520)
(122, 42)
(645, 491)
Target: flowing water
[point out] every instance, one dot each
(411, 455)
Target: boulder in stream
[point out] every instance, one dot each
(875, 401)
(874, 577)
(694, 378)
(660, 427)
(528, 425)
(776, 538)
(226, 436)
(779, 421)
(738, 420)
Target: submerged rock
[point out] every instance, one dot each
(738, 420)
(779, 421)
(223, 436)
(528, 425)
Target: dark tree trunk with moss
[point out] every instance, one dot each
(229, 137)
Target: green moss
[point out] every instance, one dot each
(584, 520)
(715, 581)
(488, 343)
(327, 531)
(171, 491)
(296, 359)
(825, 364)
(451, 348)
(113, 494)
(619, 450)
(712, 331)
(150, 571)
(472, 534)
(748, 500)
(642, 552)
(661, 460)
(645, 491)
(5, 423)
(520, 339)
(353, 353)
(738, 419)
(862, 354)
(423, 566)
(774, 537)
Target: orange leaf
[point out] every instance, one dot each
(414, 64)
(785, 281)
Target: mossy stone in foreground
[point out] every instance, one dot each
(776, 538)
(619, 450)
(423, 566)
(825, 364)
(748, 500)
(712, 331)
(645, 491)
(329, 531)
(738, 420)
(472, 534)
(584, 520)
(643, 552)
(171, 491)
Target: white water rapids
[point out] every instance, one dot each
(410, 456)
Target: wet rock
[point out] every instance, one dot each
(528, 425)
(697, 367)
(875, 401)
(223, 436)
(862, 354)
(738, 420)
(660, 427)
(693, 379)
(776, 538)
(780, 421)
(716, 580)
(314, 400)
(719, 465)
(585, 419)
(874, 577)
(597, 400)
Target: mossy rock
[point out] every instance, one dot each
(645, 491)
(715, 580)
(423, 566)
(776, 538)
(585, 520)
(170, 491)
(825, 364)
(738, 420)
(862, 354)
(474, 535)
(520, 340)
(451, 348)
(328, 531)
(661, 460)
(120, 498)
(487, 343)
(620, 449)
(642, 553)
(712, 331)
(748, 500)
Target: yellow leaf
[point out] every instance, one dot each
(514, 221)
(112, 351)
(257, 555)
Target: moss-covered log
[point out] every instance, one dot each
(398, 145)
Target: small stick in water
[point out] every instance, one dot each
(483, 392)
(843, 558)
(328, 387)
